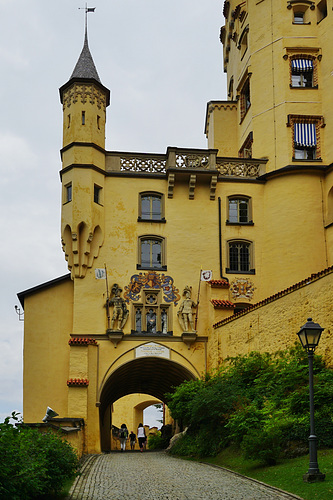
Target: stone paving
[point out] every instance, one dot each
(158, 476)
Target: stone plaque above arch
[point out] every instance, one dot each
(151, 349)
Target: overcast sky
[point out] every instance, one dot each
(161, 60)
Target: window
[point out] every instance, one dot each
(97, 194)
(246, 149)
(151, 316)
(301, 73)
(151, 207)
(245, 100)
(306, 136)
(68, 193)
(83, 117)
(298, 17)
(305, 141)
(151, 253)
(239, 210)
(243, 41)
(240, 257)
(98, 122)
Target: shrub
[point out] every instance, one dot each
(258, 401)
(264, 445)
(33, 463)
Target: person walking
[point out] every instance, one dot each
(123, 434)
(141, 436)
(132, 438)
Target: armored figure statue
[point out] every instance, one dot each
(120, 311)
(184, 314)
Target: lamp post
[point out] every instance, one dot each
(309, 336)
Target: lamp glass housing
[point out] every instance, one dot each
(309, 335)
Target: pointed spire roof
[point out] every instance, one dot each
(85, 66)
(85, 70)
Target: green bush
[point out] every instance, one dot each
(155, 441)
(264, 445)
(33, 463)
(260, 402)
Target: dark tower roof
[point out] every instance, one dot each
(85, 66)
(85, 71)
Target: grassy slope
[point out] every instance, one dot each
(287, 474)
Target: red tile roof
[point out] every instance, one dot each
(78, 382)
(82, 341)
(222, 304)
(219, 283)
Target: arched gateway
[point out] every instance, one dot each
(146, 375)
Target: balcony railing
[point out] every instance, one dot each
(203, 160)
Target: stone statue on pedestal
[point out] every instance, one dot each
(184, 314)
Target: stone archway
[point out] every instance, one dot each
(146, 375)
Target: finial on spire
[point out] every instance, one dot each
(86, 10)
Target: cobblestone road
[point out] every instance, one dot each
(157, 476)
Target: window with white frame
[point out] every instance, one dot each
(305, 141)
(239, 210)
(301, 72)
(240, 257)
(151, 252)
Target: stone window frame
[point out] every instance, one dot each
(300, 6)
(156, 194)
(318, 121)
(311, 57)
(158, 307)
(240, 197)
(241, 241)
(152, 237)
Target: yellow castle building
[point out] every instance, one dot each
(180, 259)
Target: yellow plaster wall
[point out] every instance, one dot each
(271, 34)
(48, 322)
(222, 128)
(274, 326)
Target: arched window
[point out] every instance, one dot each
(240, 257)
(151, 207)
(151, 252)
(239, 210)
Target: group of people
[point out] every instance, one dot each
(123, 435)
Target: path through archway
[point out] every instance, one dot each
(146, 375)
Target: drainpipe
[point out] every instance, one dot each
(220, 241)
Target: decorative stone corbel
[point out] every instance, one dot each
(171, 185)
(115, 336)
(213, 183)
(189, 338)
(191, 186)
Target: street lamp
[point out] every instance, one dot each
(309, 336)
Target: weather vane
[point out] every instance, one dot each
(87, 9)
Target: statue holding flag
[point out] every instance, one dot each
(120, 311)
(185, 316)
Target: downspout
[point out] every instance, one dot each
(220, 240)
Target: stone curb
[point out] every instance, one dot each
(87, 462)
(268, 486)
